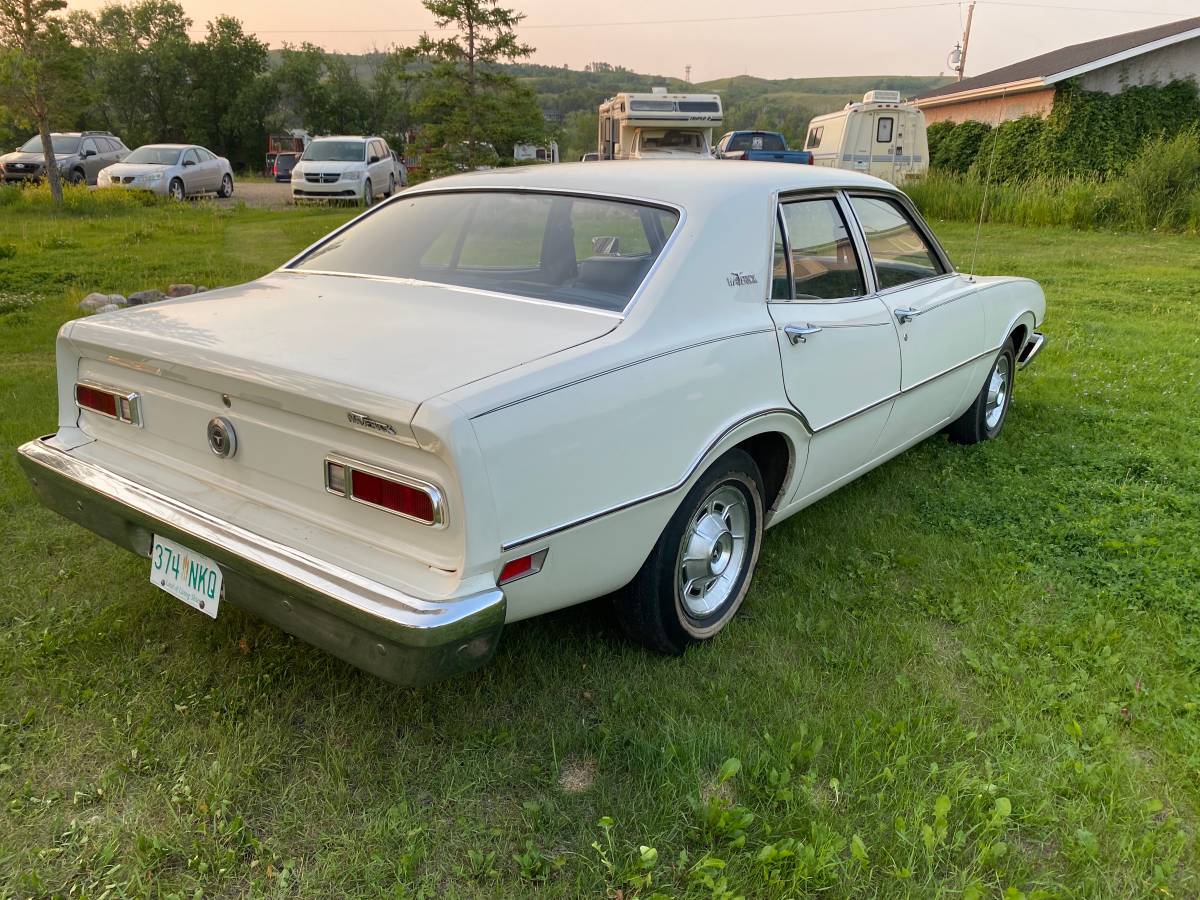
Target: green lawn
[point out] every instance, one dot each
(972, 673)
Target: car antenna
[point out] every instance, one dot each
(987, 184)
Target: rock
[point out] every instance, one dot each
(181, 290)
(200, 289)
(108, 307)
(141, 297)
(118, 300)
(93, 302)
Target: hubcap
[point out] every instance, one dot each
(713, 552)
(997, 392)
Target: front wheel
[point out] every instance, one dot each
(175, 189)
(368, 196)
(698, 573)
(985, 417)
(77, 176)
(226, 190)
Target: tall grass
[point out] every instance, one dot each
(1158, 190)
(77, 199)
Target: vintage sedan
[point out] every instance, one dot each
(504, 393)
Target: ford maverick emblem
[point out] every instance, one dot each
(222, 439)
(361, 420)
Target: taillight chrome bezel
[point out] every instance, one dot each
(348, 466)
(128, 404)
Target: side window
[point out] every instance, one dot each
(205, 156)
(190, 157)
(89, 144)
(824, 264)
(883, 129)
(814, 137)
(898, 250)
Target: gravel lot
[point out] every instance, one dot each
(260, 194)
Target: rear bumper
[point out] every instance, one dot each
(1032, 348)
(399, 637)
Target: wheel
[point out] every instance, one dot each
(368, 193)
(226, 190)
(985, 416)
(77, 176)
(698, 573)
(175, 189)
(391, 186)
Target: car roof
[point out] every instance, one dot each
(676, 182)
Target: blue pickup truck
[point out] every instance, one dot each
(760, 146)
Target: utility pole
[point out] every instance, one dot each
(962, 60)
(687, 73)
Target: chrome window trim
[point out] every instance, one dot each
(350, 466)
(853, 229)
(133, 398)
(667, 247)
(918, 223)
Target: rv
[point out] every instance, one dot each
(658, 125)
(547, 153)
(881, 136)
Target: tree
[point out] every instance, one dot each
(231, 95)
(467, 101)
(37, 65)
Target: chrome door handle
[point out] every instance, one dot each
(906, 314)
(798, 334)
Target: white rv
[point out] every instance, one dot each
(547, 153)
(881, 136)
(658, 125)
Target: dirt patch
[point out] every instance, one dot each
(577, 775)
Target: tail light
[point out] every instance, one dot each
(401, 495)
(120, 405)
(522, 566)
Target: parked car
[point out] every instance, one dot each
(760, 146)
(345, 168)
(499, 395)
(81, 156)
(590, 157)
(176, 170)
(281, 167)
(400, 169)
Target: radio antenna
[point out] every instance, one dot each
(987, 184)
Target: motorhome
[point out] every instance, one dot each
(547, 153)
(882, 136)
(658, 125)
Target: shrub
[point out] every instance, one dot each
(1160, 188)
(954, 148)
(1010, 150)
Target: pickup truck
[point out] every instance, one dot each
(760, 146)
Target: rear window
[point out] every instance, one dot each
(581, 251)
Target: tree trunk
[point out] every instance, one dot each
(472, 118)
(39, 112)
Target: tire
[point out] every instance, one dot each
(226, 190)
(391, 186)
(175, 190)
(721, 522)
(368, 196)
(77, 176)
(985, 417)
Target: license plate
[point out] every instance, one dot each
(183, 573)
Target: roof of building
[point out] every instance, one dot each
(1067, 62)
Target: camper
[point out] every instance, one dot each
(547, 153)
(658, 125)
(881, 136)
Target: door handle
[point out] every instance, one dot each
(798, 334)
(906, 314)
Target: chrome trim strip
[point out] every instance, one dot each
(700, 459)
(1031, 349)
(396, 635)
(511, 545)
(618, 368)
(349, 466)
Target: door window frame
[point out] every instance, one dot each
(867, 273)
(919, 225)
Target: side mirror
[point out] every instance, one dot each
(188, 162)
(87, 153)
(373, 159)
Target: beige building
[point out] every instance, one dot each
(1027, 88)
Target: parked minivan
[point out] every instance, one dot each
(345, 167)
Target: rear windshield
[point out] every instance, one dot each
(577, 250)
(770, 142)
(335, 151)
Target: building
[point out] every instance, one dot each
(1156, 55)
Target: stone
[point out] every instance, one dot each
(108, 307)
(200, 289)
(93, 302)
(181, 290)
(141, 297)
(118, 300)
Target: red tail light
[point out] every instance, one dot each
(522, 566)
(390, 491)
(119, 405)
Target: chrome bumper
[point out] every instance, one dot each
(404, 639)
(1032, 348)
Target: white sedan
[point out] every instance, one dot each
(501, 394)
(175, 170)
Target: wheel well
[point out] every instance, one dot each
(1018, 339)
(773, 455)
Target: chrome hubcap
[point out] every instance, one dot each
(713, 551)
(997, 392)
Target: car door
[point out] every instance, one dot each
(211, 167)
(381, 171)
(937, 312)
(92, 161)
(837, 341)
(192, 174)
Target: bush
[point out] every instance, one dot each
(1160, 188)
(1009, 151)
(77, 199)
(954, 147)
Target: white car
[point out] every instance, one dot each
(355, 168)
(175, 170)
(505, 393)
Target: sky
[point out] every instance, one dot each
(717, 38)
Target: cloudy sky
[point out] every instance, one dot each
(769, 38)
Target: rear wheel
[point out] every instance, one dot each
(984, 418)
(391, 186)
(77, 176)
(226, 190)
(697, 575)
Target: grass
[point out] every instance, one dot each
(972, 673)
